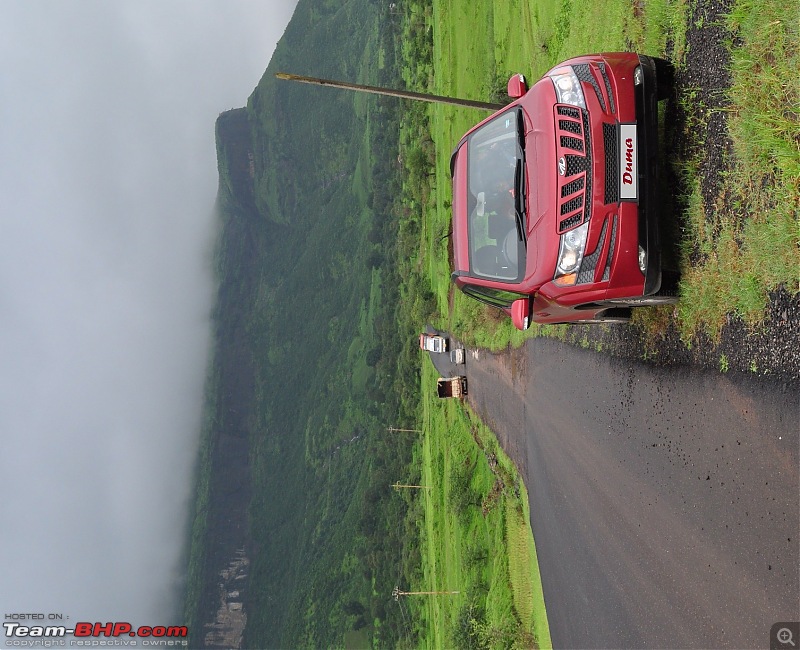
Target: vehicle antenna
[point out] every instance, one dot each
(405, 94)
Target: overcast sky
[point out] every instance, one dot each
(107, 184)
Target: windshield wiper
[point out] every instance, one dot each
(521, 134)
(519, 201)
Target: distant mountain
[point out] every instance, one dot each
(295, 530)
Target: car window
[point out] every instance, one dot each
(495, 249)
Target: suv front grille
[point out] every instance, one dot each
(569, 111)
(574, 146)
(567, 224)
(611, 147)
(576, 165)
(572, 205)
(572, 187)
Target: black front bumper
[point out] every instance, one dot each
(649, 173)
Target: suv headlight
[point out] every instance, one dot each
(570, 255)
(568, 88)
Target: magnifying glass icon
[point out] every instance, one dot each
(784, 635)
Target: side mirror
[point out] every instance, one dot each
(520, 313)
(517, 86)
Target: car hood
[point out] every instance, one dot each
(542, 183)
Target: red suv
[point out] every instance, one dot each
(554, 197)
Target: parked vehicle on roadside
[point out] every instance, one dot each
(451, 387)
(432, 343)
(457, 355)
(555, 200)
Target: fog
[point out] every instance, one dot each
(107, 180)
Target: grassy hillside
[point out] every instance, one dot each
(309, 367)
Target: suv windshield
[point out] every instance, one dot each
(495, 204)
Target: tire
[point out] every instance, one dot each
(665, 78)
(670, 283)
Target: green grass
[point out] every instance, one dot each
(749, 241)
(313, 356)
(477, 539)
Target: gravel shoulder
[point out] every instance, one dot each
(770, 352)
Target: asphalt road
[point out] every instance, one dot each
(664, 502)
